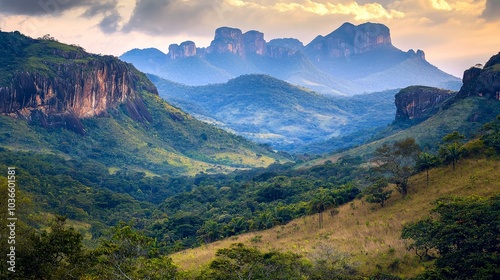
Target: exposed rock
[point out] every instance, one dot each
(483, 82)
(289, 43)
(278, 52)
(227, 40)
(254, 43)
(185, 49)
(417, 103)
(349, 40)
(76, 90)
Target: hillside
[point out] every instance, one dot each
(369, 234)
(58, 99)
(267, 110)
(350, 60)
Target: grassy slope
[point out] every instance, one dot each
(171, 144)
(466, 116)
(367, 231)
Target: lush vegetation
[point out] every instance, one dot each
(268, 110)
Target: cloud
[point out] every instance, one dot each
(368, 11)
(48, 7)
(492, 10)
(172, 16)
(55, 8)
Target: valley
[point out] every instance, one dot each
(323, 170)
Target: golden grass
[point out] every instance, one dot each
(367, 231)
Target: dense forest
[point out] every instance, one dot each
(130, 222)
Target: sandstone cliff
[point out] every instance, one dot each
(417, 103)
(57, 85)
(185, 49)
(349, 40)
(483, 81)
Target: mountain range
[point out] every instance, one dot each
(350, 60)
(271, 111)
(57, 99)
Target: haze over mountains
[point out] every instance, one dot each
(350, 60)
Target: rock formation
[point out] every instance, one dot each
(349, 40)
(74, 85)
(227, 40)
(416, 103)
(483, 81)
(185, 49)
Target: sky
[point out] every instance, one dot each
(455, 34)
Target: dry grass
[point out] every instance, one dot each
(367, 231)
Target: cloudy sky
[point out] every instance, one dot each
(455, 34)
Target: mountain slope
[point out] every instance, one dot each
(268, 110)
(367, 234)
(350, 60)
(428, 114)
(115, 111)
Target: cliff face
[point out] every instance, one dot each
(227, 40)
(70, 87)
(483, 82)
(185, 49)
(416, 103)
(349, 40)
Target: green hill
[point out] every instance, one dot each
(367, 233)
(48, 86)
(271, 111)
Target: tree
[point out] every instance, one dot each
(241, 262)
(425, 162)
(377, 193)
(131, 255)
(451, 150)
(54, 254)
(491, 138)
(320, 203)
(397, 161)
(209, 232)
(465, 233)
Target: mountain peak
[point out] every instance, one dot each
(350, 39)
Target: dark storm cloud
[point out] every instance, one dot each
(43, 7)
(492, 10)
(170, 16)
(106, 9)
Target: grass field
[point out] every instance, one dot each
(369, 233)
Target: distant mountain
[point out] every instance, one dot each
(427, 114)
(350, 60)
(271, 111)
(58, 99)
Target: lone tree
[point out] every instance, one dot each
(425, 162)
(452, 150)
(320, 203)
(377, 193)
(397, 162)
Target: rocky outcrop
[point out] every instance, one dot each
(73, 89)
(484, 81)
(417, 103)
(254, 43)
(283, 48)
(185, 49)
(349, 40)
(227, 40)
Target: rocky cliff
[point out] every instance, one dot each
(483, 81)
(349, 40)
(185, 49)
(417, 103)
(57, 85)
(227, 40)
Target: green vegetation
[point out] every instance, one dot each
(271, 111)
(464, 235)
